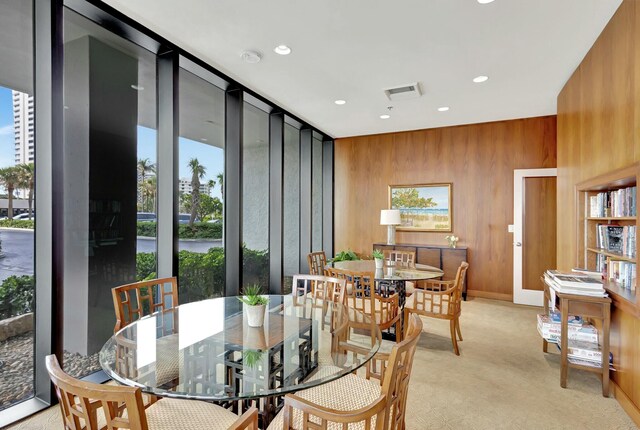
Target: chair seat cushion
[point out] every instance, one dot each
(416, 303)
(171, 414)
(381, 315)
(348, 393)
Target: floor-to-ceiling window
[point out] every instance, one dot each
(201, 270)
(110, 155)
(316, 193)
(291, 204)
(17, 209)
(255, 197)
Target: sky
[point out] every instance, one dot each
(440, 195)
(210, 156)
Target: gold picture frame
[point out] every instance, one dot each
(423, 207)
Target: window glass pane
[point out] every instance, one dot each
(316, 195)
(17, 208)
(255, 197)
(291, 214)
(110, 140)
(201, 182)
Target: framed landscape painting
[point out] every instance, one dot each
(423, 207)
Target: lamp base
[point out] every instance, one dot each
(391, 235)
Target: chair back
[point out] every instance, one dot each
(80, 402)
(395, 383)
(317, 261)
(362, 296)
(320, 288)
(400, 258)
(133, 301)
(456, 298)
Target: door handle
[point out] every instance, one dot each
(517, 243)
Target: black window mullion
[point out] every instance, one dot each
(234, 101)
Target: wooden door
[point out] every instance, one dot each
(535, 232)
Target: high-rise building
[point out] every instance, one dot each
(23, 124)
(184, 187)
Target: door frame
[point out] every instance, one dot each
(520, 295)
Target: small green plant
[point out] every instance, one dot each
(378, 254)
(348, 255)
(251, 357)
(252, 296)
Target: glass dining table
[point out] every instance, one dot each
(206, 350)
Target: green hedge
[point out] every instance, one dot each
(17, 223)
(202, 275)
(16, 296)
(200, 230)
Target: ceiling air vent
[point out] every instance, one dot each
(403, 92)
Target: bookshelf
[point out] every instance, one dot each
(590, 235)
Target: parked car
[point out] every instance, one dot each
(184, 218)
(147, 216)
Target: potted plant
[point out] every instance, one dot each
(379, 257)
(256, 304)
(348, 255)
(453, 240)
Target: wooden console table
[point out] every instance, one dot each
(587, 307)
(443, 257)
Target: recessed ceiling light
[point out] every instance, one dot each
(282, 50)
(251, 57)
(485, 1)
(203, 139)
(443, 108)
(479, 79)
(340, 102)
(385, 116)
(137, 87)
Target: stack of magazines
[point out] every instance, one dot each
(578, 283)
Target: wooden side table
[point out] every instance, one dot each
(587, 307)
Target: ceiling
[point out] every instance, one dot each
(354, 49)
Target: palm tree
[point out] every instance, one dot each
(220, 178)
(144, 166)
(10, 178)
(197, 173)
(211, 185)
(149, 191)
(27, 173)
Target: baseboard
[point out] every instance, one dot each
(490, 295)
(627, 404)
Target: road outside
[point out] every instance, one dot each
(17, 246)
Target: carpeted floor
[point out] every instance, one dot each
(501, 380)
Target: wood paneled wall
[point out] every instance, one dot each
(599, 131)
(478, 159)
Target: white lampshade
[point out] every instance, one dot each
(390, 217)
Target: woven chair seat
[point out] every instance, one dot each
(171, 414)
(382, 315)
(439, 306)
(346, 394)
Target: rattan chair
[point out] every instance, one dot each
(362, 296)
(320, 287)
(89, 406)
(317, 262)
(133, 301)
(400, 258)
(440, 299)
(355, 402)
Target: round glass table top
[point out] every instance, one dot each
(206, 350)
(390, 272)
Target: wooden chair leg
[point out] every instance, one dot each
(454, 340)
(458, 329)
(399, 331)
(406, 314)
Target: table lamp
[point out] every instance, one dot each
(390, 218)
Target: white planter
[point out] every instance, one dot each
(255, 315)
(379, 263)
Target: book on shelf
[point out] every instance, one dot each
(583, 350)
(577, 329)
(584, 286)
(578, 271)
(591, 363)
(616, 203)
(623, 273)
